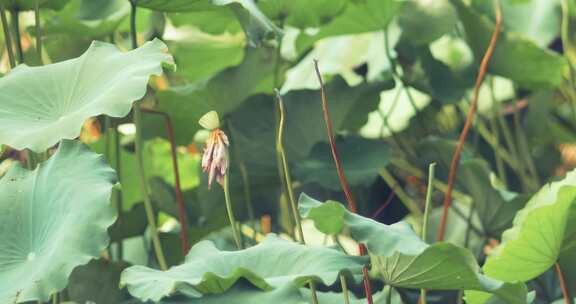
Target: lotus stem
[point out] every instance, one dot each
(16, 25)
(139, 146)
(345, 292)
(565, 292)
(341, 177)
(429, 189)
(7, 35)
(285, 169)
(175, 169)
(38, 30)
(313, 290)
(469, 119)
(230, 211)
(144, 186)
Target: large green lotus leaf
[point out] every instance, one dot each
(303, 127)
(223, 93)
(256, 25)
(361, 158)
(358, 17)
(87, 18)
(25, 5)
(303, 13)
(439, 80)
(41, 105)
(538, 20)
(211, 19)
(52, 219)
(340, 56)
(401, 259)
(200, 56)
(514, 57)
(424, 21)
(271, 264)
(540, 232)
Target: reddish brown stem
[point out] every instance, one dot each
(343, 182)
(469, 120)
(179, 196)
(565, 292)
(384, 206)
(345, 187)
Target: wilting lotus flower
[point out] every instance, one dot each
(215, 157)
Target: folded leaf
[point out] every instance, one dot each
(271, 264)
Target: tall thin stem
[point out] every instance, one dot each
(7, 35)
(179, 196)
(345, 292)
(144, 186)
(17, 40)
(285, 169)
(469, 118)
(38, 30)
(230, 211)
(314, 295)
(139, 146)
(118, 192)
(133, 36)
(330, 129)
(431, 169)
(343, 183)
(565, 291)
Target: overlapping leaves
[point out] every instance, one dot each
(271, 264)
(400, 258)
(542, 232)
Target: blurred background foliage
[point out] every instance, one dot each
(399, 79)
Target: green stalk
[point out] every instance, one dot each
(38, 30)
(496, 131)
(389, 297)
(427, 216)
(285, 169)
(247, 196)
(288, 180)
(133, 36)
(16, 26)
(7, 35)
(403, 196)
(139, 146)
(313, 289)
(344, 289)
(230, 211)
(144, 186)
(113, 141)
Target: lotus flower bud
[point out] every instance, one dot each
(215, 157)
